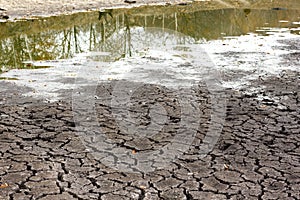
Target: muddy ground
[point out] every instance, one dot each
(256, 156)
(27, 9)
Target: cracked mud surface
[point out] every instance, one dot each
(256, 157)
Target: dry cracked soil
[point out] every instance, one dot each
(256, 156)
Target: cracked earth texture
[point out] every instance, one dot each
(256, 157)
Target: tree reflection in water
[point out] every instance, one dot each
(113, 31)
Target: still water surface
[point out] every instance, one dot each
(148, 44)
(116, 30)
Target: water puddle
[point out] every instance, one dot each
(8, 78)
(148, 44)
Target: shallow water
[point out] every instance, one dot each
(62, 37)
(154, 45)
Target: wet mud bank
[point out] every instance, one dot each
(16, 10)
